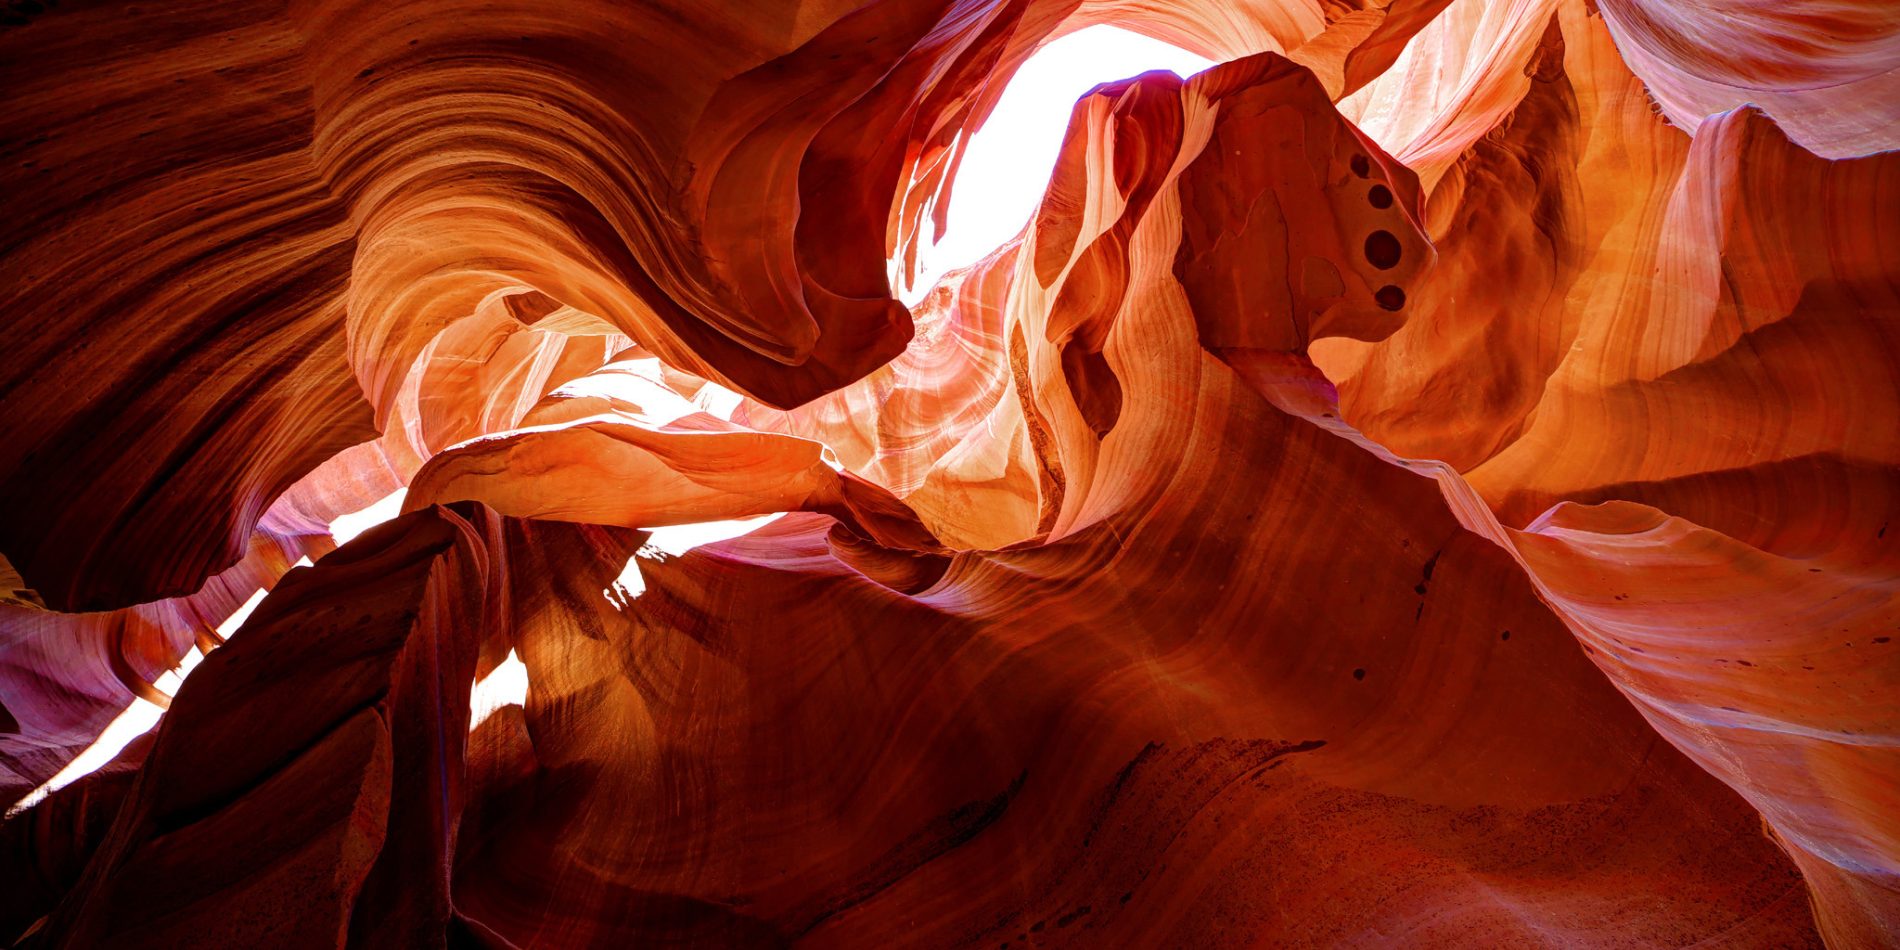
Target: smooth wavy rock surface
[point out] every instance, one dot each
(1431, 479)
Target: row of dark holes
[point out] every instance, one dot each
(1382, 248)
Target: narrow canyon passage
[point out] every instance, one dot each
(950, 473)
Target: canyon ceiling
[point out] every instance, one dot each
(1430, 479)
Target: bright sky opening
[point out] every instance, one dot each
(1008, 164)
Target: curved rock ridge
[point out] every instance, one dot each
(1426, 480)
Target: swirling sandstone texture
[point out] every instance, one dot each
(1431, 479)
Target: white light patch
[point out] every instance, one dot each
(229, 627)
(678, 539)
(169, 681)
(673, 541)
(1007, 165)
(135, 721)
(638, 389)
(346, 527)
(243, 613)
(505, 685)
(139, 718)
(629, 585)
(717, 400)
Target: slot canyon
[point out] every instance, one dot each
(506, 474)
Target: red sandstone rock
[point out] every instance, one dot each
(1426, 480)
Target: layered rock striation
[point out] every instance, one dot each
(1427, 479)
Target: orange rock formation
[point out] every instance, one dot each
(1424, 481)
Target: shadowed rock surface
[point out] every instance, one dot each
(1426, 480)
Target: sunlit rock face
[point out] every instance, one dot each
(1426, 480)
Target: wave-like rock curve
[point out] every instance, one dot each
(1425, 480)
